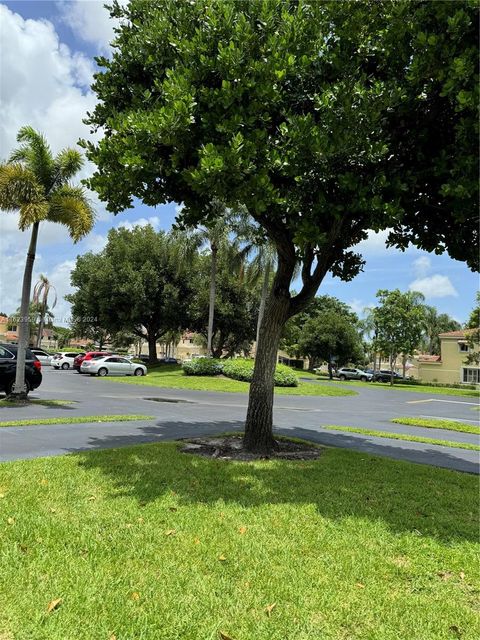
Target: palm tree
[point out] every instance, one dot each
(36, 183)
(434, 324)
(216, 236)
(41, 291)
(261, 268)
(369, 329)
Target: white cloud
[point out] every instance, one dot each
(374, 244)
(436, 286)
(422, 266)
(154, 221)
(90, 20)
(357, 306)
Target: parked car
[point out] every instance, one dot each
(8, 368)
(44, 357)
(77, 363)
(347, 373)
(112, 366)
(167, 361)
(384, 375)
(64, 359)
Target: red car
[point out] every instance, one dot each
(88, 356)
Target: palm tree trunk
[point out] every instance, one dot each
(263, 299)
(40, 326)
(19, 391)
(211, 308)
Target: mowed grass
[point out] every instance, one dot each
(416, 388)
(172, 377)
(73, 420)
(434, 423)
(403, 436)
(147, 543)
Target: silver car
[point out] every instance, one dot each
(346, 373)
(112, 366)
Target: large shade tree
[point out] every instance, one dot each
(142, 282)
(323, 119)
(37, 184)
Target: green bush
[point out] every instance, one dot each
(203, 367)
(240, 369)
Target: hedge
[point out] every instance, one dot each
(203, 367)
(237, 369)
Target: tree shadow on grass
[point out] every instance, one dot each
(341, 483)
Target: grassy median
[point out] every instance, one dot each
(72, 420)
(172, 377)
(146, 542)
(436, 423)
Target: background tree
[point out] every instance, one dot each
(236, 302)
(322, 119)
(434, 324)
(294, 329)
(41, 292)
(36, 183)
(62, 335)
(400, 320)
(330, 337)
(142, 282)
(474, 319)
(90, 317)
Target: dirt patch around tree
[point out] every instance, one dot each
(231, 448)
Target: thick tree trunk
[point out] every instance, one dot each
(19, 388)
(152, 348)
(263, 299)
(259, 423)
(211, 307)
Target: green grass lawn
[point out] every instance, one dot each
(146, 543)
(403, 436)
(72, 420)
(172, 377)
(433, 423)
(417, 388)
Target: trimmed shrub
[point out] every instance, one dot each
(203, 367)
(240, 369)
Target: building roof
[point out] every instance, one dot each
(453, 334)
(426, 357)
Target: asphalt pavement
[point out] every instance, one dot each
(182, 413)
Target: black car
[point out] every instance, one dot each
(8, 368)
(384, 375)
(167, 360)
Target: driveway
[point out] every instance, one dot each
(182, 413)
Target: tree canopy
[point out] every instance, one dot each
(142, 282)
(322, 119)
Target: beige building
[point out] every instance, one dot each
(450, 367)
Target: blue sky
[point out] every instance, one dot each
(45, 73)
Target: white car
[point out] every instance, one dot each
(64, 359)
(112, 366)
(44, 357)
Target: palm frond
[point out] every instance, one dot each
(32, 212)
(71, 207)
(18, 187)
(36, 155)
(67, 163)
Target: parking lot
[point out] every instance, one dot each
(180, 413)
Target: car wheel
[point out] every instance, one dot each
(139, 372)
(9, 387)
(342, 377)
(363, 378)
(102, 372)
(65, 366)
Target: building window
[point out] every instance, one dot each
(471, 376)
(463, 347)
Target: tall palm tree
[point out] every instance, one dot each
(262, 268)
(435, 323)
(36, 183)
(216, 236)
(41, 291)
